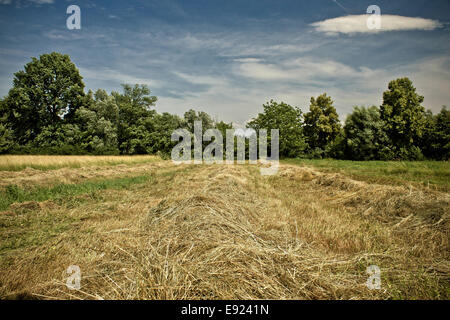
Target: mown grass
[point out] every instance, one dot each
(15, 194)
(27, 231)
(433, 174)
(37, 227)
(20, 162)
(226, 232)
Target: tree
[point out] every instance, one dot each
(6, 134)
(191, 116)
(98, 122)
(288, 120)
(322, 124)
(46, 94)
(365, 136)
(136, 118)
(442, 135)
(223, 127)
(435, 141)
(404, 117)
(164, 125)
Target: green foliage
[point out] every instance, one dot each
(191, 116)
(435, 142)
(136, 119)
(404, 118)
(336, 148)
(46, 94)
(164, 125)
(288, 120)
(98, 122)
(47, 112)
(6, 139)
(365, 135)
(442, 135)
(223, 127)
(7, 142)
(322, 124)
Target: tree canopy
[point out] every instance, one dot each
(45, 95)
(288, 120)
(47, 111)
(403, 116)
(321, 123)
(365, 136)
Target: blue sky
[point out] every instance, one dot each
(230, 57)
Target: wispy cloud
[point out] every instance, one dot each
(117, 76)
(200, 79)
(358, 24)
(42, 1)
(299, 69)
(33, 1)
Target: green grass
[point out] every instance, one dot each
(435, 174)
(13, 193)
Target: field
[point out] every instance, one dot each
(145, 228)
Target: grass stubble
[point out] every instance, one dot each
(226, 232)
(44, 162)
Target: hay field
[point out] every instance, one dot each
(41, 162)
(160, 231)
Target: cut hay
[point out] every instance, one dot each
(226, 232)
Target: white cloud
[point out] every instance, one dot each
(358, 24)
(34, 1)
(41, 1)
(262, 71)
(299, 69)
(248, 60)
(308, 77)
(200, 79)
(114, 75)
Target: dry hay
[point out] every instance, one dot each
(30, 177)
(225, 232)
(216, 238)
(387, 202)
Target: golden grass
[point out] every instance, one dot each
(225, 232)
(19, 162)
(32, 178)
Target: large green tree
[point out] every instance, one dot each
(404, 117)
(322, 124)
(136, 119)
(365, 136)
(45, 96)
(288, 120)
(98, 123)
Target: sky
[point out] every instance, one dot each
(230, 57)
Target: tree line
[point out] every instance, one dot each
(48, 112)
